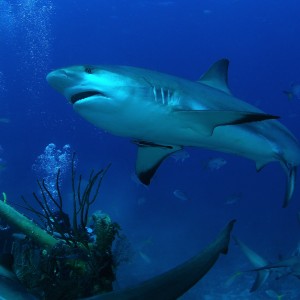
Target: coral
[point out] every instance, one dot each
(66, 260)
(105, 231)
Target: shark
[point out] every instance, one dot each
(292, 264)
(258, 262)
(162, 114)
(263, 268)
(10, 286)
(177, 281)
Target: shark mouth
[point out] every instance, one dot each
(84, 95)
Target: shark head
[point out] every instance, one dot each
(90, 86)
(102, 95)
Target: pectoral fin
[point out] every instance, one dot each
(207, 120)
(149, 158)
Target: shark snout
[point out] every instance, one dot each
(61, 80)
(57, 79)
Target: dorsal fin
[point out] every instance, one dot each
(217, 76)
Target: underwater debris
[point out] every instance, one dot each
(65, 260)
(10, 287)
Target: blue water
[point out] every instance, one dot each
(183, 38)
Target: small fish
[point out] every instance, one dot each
(234, 198)
(207, 11)
(145, 257)
(232, 278)
(4, 120)
(293, 92)
(180, 195)
(214, 164)
(180, 156)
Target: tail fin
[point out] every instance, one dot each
(290, 185)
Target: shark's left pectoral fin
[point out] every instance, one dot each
(207, 120)
(149, 158)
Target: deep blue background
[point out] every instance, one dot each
(184, 37)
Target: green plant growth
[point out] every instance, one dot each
(78, 261)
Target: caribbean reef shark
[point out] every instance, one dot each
(258, 262)
(284, 267)
(162, 114)
(174, 283)
(292, 264)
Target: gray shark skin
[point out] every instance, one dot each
(292, 263)
(264, 267)
(174, 283)
(10, 287)
(258, 262)
(163, 113)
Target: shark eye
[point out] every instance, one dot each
(88, 70)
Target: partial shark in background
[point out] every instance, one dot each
(162, 114)
(292, 265)
(294, 91)
(10, 287)
(258, 262)
(174, 283)
(284, 267)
